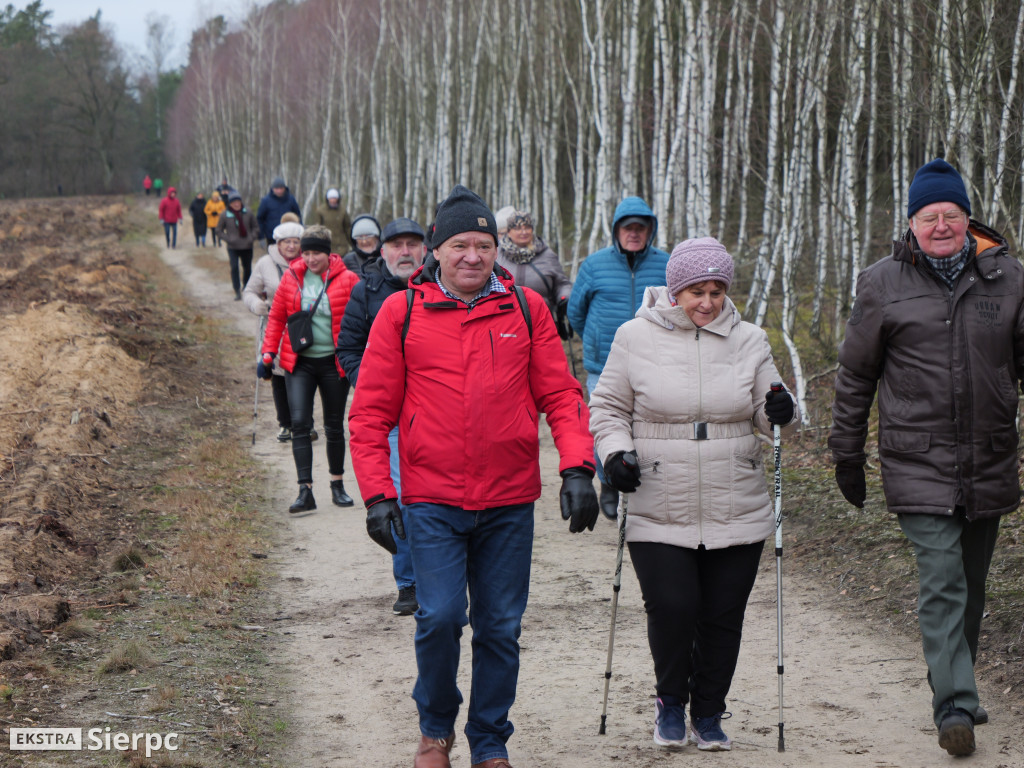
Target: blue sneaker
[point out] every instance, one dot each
(670, 722)
(707, 733)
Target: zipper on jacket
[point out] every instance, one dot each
(700, 414)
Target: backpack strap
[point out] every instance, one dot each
(524, 307)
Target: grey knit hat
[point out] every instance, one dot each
(697, 260)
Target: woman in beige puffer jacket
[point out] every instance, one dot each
(685, 387)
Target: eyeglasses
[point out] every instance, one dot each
(949, 217)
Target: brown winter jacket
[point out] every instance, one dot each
(229, 231)
(543, 273)
(664, 374)
(947, 367)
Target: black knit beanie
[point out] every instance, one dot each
(314, 244)
(462, 211)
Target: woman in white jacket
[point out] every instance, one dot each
(259, 295)
(686, 384)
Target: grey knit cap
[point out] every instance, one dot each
(697, 260)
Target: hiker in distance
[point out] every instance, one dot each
(938, 331)
(402, 254)
(685, 385)
(608, 290)
(464, 371)
(319, 284)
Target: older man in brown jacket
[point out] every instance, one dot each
(938, 330)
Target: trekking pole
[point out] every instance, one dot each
(256, 397)
(572, 354)
(628, 458)
(777, 434)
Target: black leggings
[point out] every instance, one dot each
(310, 374)
(695, 600)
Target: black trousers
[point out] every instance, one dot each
(312, 374)
(280, 390)
(695, 600)
(245, 256)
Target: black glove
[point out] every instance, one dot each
(265, 367)
(578, 499)
(379, 518)
(564, 329)
(850, 479)
(622, 471)
(778, 407)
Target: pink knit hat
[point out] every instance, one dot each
(697, 260)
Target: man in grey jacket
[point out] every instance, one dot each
(938, 330)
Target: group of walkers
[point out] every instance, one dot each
(451, 337)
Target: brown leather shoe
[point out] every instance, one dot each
(433, 753)
(494, 762)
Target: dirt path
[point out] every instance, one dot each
(854, 696)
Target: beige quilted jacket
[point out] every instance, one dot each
(665, 386)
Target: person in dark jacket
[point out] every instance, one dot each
(402, 254)
(532, 262)
(608, 291)
(275, 204)
(937, 330)
(365, 236)
(465, 383)
(197, 210)
(239, 230)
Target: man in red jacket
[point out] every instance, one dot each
(464, 369)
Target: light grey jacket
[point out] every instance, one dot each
(258, 294)
(663, 376)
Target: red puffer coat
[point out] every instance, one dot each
(466, 391)
(288, 299)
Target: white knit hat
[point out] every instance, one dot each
(501, 216)
(286, 230)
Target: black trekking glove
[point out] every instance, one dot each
(265, 367)
(578, 499)
(850, 479)
(379, 519)
(778, 407)
(564, 329)
(622, 471)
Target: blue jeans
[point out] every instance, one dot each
(591, 386)
(169, 230)
(401, 561)
(489, 552)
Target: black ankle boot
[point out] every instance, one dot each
(338, 495)
(609, 501)
(305, 502)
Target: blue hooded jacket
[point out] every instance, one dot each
(272, 208)
(607, 292)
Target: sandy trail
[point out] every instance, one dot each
(854, 695)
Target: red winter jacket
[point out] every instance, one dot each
(466, 394)
(170, 208)
(288, 299)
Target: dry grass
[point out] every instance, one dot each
(126, 657)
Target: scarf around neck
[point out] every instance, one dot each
(518, 254)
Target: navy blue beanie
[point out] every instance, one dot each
(937, 182)
(462, 211)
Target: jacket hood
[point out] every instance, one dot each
(172, 191)
(287, 191)
(633, 206)
(359, 218)
(989, 248)
(657, 307)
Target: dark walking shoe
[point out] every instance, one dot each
(956, 732)
(670, 722)
(707, 733)
(284, 434)
(238, 295)
(406, 604)
(980, 715)
(609, 501)
(338, 495)
(313, 435)
(305, 502)
(433, 753)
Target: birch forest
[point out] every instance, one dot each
(789, 130)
